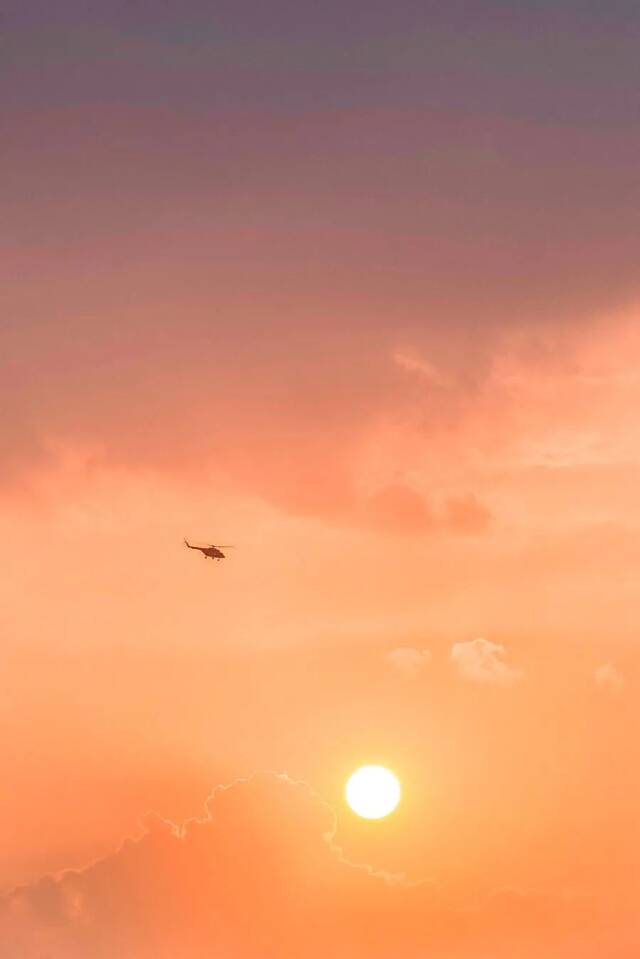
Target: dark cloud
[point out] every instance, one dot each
(210, 255)
(563, 60)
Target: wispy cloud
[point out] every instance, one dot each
(409, 662)
(409, 359)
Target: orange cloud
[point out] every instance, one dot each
(482, 662)
(609, 677)
(465, 514)
(260, 874)
(400, 508)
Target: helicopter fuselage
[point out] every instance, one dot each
(209, 552)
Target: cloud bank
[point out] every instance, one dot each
(260, 875)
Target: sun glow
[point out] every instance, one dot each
(373, 792)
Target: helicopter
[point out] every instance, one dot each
(211, 551)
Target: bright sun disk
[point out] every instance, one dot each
(373, 792)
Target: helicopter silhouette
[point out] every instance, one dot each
(211, 551)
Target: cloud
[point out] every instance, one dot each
(259, 874)
(409, 662)
(481, 661)
(410, 359)
(609, 677)
(400, 508)
(466, 514)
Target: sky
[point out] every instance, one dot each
(354, 288)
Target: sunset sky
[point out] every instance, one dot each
(353, 287)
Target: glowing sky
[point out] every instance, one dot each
(355, 288)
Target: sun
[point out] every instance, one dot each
(373, 792)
